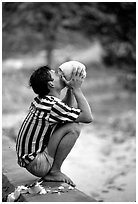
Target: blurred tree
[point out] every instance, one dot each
(44, 18)
(113, 23)
(121, 43)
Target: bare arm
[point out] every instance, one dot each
(69, 98)
(75, 84)
(85, 115)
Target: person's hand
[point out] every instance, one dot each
(76, 79)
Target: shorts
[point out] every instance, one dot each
(41, 164)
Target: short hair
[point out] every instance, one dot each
(39, 81)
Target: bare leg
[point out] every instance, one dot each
(60, 145)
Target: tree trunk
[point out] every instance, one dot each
(51, 33)
(49, 48)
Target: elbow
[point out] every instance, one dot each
(89, 120)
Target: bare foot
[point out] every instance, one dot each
(58, 176)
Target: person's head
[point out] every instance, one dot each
(43, 80)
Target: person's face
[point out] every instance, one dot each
(57, 79)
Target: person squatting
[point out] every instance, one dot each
(51, 127)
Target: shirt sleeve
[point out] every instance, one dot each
(61, 112)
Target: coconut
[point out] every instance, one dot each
(67, 68)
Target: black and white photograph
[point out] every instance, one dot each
(68, 101)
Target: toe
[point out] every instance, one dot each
(70, 182)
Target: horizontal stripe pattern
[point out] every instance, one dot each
(36, 129)
(61, 112)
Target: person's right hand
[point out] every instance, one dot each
(76, 79)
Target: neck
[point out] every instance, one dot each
(54, 93)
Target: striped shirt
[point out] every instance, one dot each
(39, 124)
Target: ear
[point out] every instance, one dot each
(51, 84)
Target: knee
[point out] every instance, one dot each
(38, 167)
(75, 129)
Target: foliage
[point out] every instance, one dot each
(113, 23)
(43, 18)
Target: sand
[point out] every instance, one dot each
(104, 167)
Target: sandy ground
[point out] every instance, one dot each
(103, 169)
